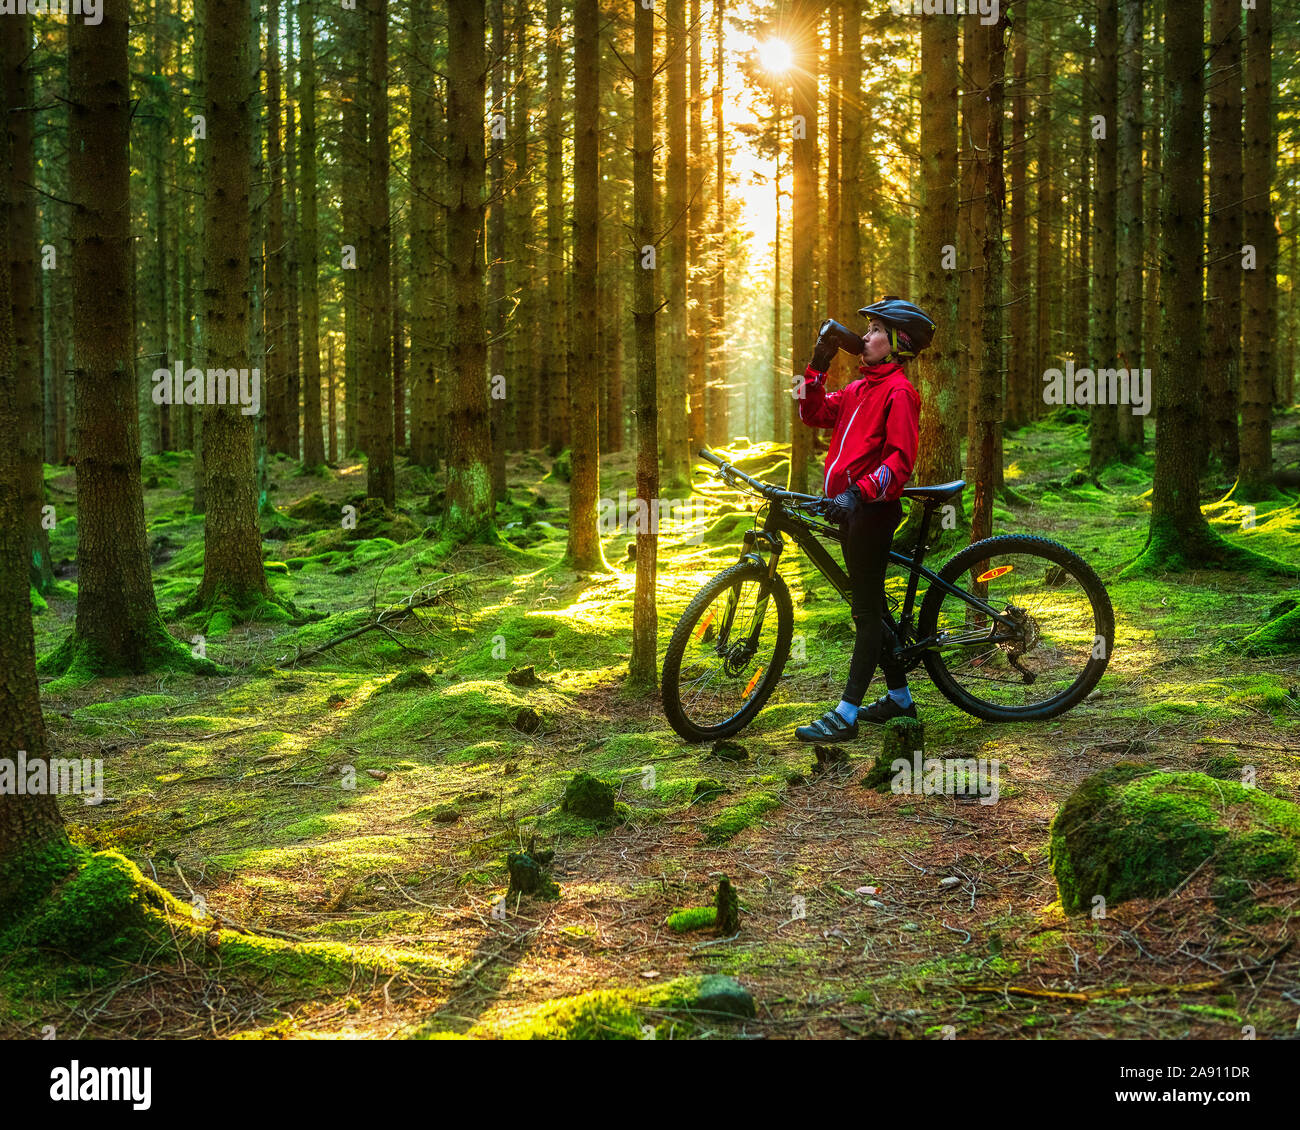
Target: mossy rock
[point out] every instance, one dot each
(413, 679)
(727, 750)
(1132, 831)
(316, 508)
(589, 797)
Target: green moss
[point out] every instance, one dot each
(133, 707)
(1280, 636)
(692, 918)
(737, 817)
(1130, 831)
(679, 1009)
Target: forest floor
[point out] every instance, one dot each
(235, 788)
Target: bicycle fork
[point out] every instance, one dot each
(738, 655)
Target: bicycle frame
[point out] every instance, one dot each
(781, 521)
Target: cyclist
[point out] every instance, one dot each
(872, 451)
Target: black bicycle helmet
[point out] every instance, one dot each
(910, 328)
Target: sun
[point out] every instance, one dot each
(775, 55)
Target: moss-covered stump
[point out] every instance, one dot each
(522, 677)
(902, 737)
(726, 907)
(415, 678)
(1132, 831)
(589, 797)
(682, 1008)
(830, 759)
(530, 873)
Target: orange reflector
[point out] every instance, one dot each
(752, 682)
(699, 632)
(994, 573)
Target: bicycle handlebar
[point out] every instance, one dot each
(793, 498)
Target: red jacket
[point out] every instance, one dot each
(877, 426)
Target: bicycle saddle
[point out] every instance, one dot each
(936, 493)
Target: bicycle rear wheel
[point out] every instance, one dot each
(1064, 630)
(722, 664)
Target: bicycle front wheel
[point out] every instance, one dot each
(1051, 653)
(727, 653)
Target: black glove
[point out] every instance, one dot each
(842, 505)
(830, 338)
(823, 354)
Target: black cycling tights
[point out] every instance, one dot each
(865, 538)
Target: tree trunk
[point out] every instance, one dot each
(29, 823)
(352, 157)
(554, 378)
(425, 145)
(975, 58)
(232, 544)
(804, 219)
(276, 306)
(833, 298)
(584, 550)
(696, 215)
(643, 669)
(1019, 376)
(313, 449)
(1103, 418)
(1178, 536)
(986, 457)
(848, 237)
(497, 239)
(1151, 180)
(1128, 323)
(292, 269)
(26, 316)
(1047, 247)
(377, 384)
(939, 453)
(118, 628)
(716, 424)
(1259, 287)
(468, 515)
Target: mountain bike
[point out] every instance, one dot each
(1013, 628)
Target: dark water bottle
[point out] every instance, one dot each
(841, 336)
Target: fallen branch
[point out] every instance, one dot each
(388, 618)
(1132, 990)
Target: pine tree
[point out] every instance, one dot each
(468, 516)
